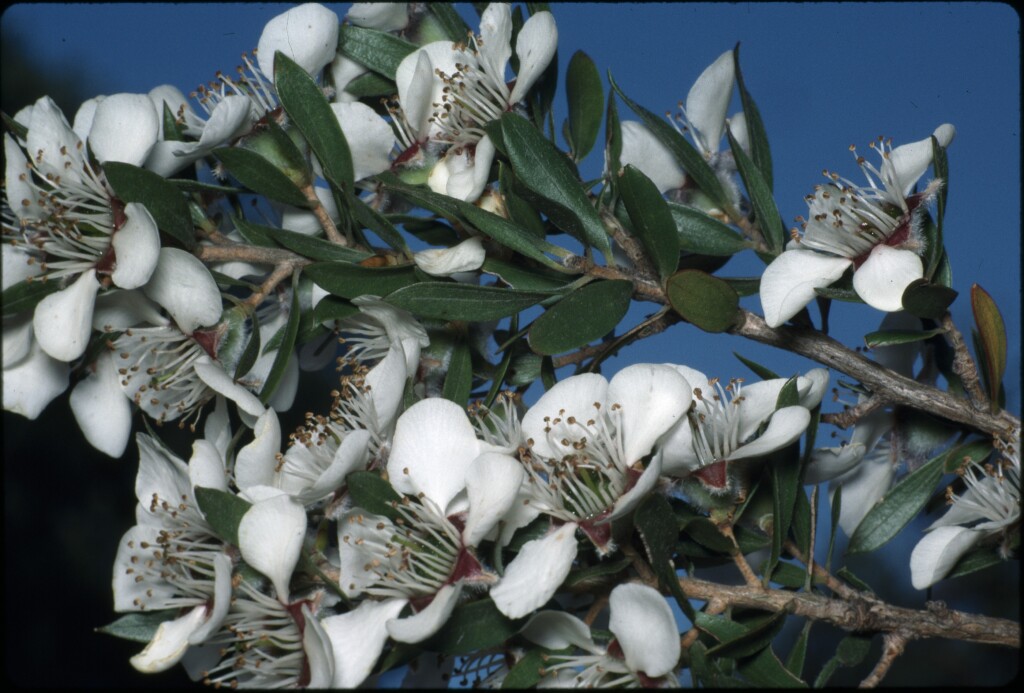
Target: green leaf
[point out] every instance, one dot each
(259, 175)
(526, 672)
(891, 337)
(686, 155)
(24, 295)
(521, 213)
(976, 450)
(927, 300)
(839, 293)
(802, 521)
(372, 493)
(332, 308)
(752, 640)
(613, 135)
(992, 337)
(759, 370)
(545, 170)
(161, 199)
(223, 511)
(472, 627)
(940, 165)
(138, 627)
(659, 529)
(851, 651)
(369, 85)
(703, 300)
(797, 656)
(252, 350)
(897, 508)
(584, 315)
(254, 234)
(377, 50)
(699, 233)
(458, 382)
(973, 561)
(585, 96)
(377, 223)
(454, 301)
(652, 220)
(760, 153)
(761, 198)
(454, 26)
(186, 185)
(317, 249)
(307, 107)
(349, 281)
(592, 576)
(766, 671)
(744, 286)
(285, 350)
(526, 278)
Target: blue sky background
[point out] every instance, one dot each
(824, 76)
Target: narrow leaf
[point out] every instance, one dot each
(223, 511)
(372, 493)
(453, 301)
(526, 672)
(890, 337)
(377, 50)
(259, 175)
(584, 315)
(307, 106)
(473, 626)
(659, 530)
(761, 198)
(23, 296)
(286, 348)
(699, 233)
(652, 221)
(585, 97)
(138, 627)
(542, 168)
(349, 281)
(458, 382)
(992, 337)
(760, 153)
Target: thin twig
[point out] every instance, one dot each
(852, 415)
(280, 273)
(326, 223)
(833, 583)
(249, 253)
(858, 615)
(645, 572)
(737, 556)
(892, 647)
(963, 364)
(599, 603)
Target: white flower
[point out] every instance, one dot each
(722, 425)
(646, 152)
(466, 256)
(644, 652)
(68, 221)
(171, 559)
(875, 229)
(707, 103)
(32, 378)
(370, 138)
(383, 16)
(990, 507)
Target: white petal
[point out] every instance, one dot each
(899, 357)
(885, 275)
(496, 39)
(214, 375)
(308, 34)
(433, 447)
(206, 467)
(535, 47)
(125, 128)
(398, 324)
(386, 381)
(167, 157)
(304, 221)
(370, 138)
(231, 118)
(738, 127)
(646, 152)
(136, 247)
(352, 454)
(420, 626)
(574, 396)
(643, 623)
(644, 485)
(708, 101)
(18, 193)
(358, 638)
(418, 86)
(357, 531)
(256, 462)
(33, 382)
(788, 283)
(17, 339)
(863, 487)
(319, 651)
(383, 16)
(130, 594)
(270, 539)
(183, 285)
(101, 409)
(50, 142)
(556, 630)
(117, 310)
(343, 70)
(492, 483)
(829, 463)
(534, 575)
(217, 429)
(84, 116)
(222, 568)
(812, 386)
(444, 262)
(787, 425)
(160, 472)
(653, 398)
(170, 642)
(910, 161)
(937, 553)
(63, 320)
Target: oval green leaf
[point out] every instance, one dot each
(348, 281)
(379, 51)
(161, 199)
(585, 96)
(584, 315)
(706, 301)
(652, 221)
(927, 300)
(699, 233)
(259, 175)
